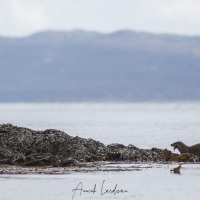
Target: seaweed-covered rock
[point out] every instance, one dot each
(117, 152)
(23, 146)
(187, 157)
(184, 157)
(50, 147)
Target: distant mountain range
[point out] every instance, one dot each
(90, 66)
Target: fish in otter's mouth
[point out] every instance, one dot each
(174, 145)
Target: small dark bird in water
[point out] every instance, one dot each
(195, 149)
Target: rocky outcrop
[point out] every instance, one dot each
(26, 147)
(23, 146)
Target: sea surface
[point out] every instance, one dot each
(144, 125)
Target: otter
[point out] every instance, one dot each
(195, 149)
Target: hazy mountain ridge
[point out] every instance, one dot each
(90, 66)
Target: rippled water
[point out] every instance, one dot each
(145, 125)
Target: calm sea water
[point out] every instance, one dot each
(145, 125)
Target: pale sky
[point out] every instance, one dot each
(24, 17)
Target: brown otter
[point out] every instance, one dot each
(195, 149)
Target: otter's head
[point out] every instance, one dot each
(177, 144)
(180, 146)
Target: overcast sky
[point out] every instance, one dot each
(23, 17)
